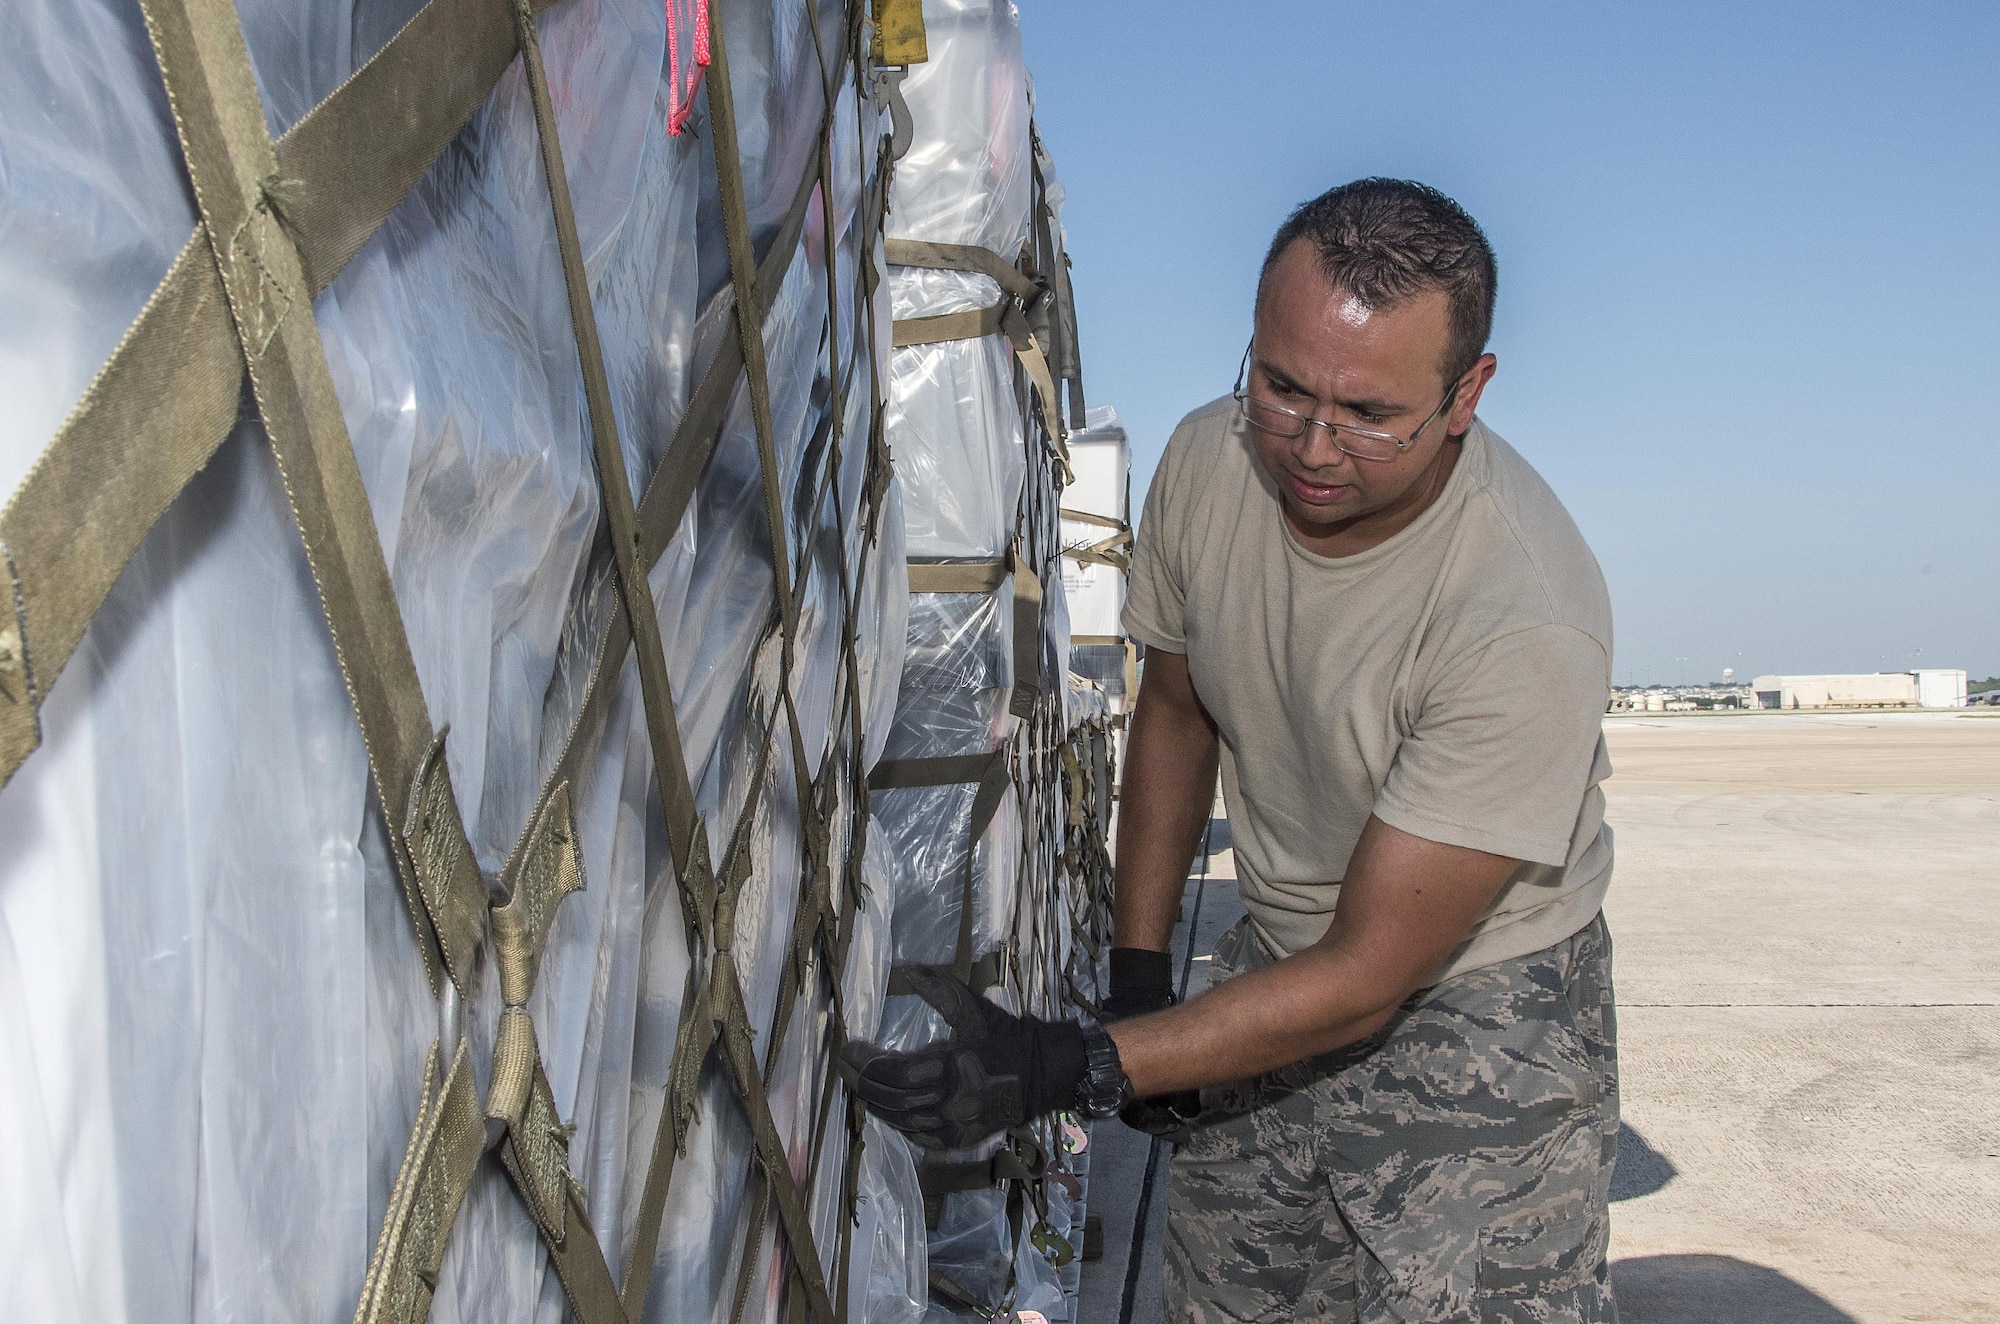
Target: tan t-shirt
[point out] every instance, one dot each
(1451, 681)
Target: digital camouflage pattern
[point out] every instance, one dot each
(1454, 1167)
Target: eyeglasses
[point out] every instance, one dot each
(1361, 443)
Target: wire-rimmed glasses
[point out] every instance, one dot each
(1361, 443)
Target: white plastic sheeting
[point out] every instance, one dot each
(212, 1012)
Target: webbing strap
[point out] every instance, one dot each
(1027, 637)
(939, 1176)
(431, 837)
(1053, 266)
(986, 771)
(963, 257)
(579, 1260)
(731, 1015)
(941, 770)
(667, 498)
(444, 1148)
(206, 68)
(668, 495)
(234, 169)
(975, 323)
(743, 275)
(986, 973)
(987, 577)
(684, 824)
(935, 330)
(1105, 551)
(169, 394)
(774, 1172)
(958, 576)
(1017, 1165)
(1091, 517)
(1029, 351)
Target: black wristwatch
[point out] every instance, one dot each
(1105, 1089)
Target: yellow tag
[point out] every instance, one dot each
(899, 32)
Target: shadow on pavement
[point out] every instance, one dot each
(1641, 1169)
(1714, 1289)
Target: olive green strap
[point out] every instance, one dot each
(589, 1287)
(732, 1018)
(958, 576)
(986, 973)
(990, 774)
(1090, 517)
(430, 1185)
(1027, 637)
(667, 498)
(234, 169)
(1105, 551)
(1005, 316)
(935, 330)
(986, 577)
(169, 394)
(963, 257)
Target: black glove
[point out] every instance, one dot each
(1143, 981)
(996, 1071)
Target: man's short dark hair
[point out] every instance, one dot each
(1388, 240)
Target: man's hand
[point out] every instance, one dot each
(1141, 982)
(996, 1070)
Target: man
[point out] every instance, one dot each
(1387, 628)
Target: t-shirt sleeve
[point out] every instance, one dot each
(1500, 757)
(1156, 600)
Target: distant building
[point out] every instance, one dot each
(1679, 699)
(1940, 688)
(1929, 688)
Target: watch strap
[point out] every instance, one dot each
(1104, 1089)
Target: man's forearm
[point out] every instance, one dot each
(1163, 808)
(1405, 906)
(1302, 1006)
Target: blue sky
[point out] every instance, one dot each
(1749, 316)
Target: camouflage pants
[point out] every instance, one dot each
(1454, 1167)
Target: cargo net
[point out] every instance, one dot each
(563, 483)
(993, 790)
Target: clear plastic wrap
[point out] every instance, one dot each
(213, 1016)
(981, 466)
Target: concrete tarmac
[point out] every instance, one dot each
(1807, 918)
(1806, 914)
